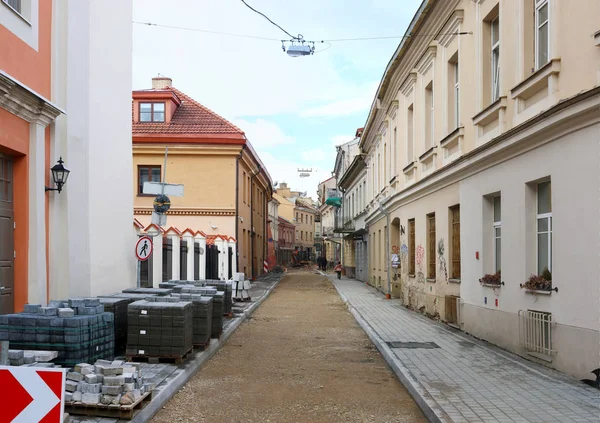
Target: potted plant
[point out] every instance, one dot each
(492, 279)
(541, 282)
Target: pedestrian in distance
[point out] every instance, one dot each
(324, 264)
(338, 269)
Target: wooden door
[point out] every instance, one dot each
(7, 248)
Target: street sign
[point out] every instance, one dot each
(159, 219)
(174, 190)
(143, 249)
(31, 395)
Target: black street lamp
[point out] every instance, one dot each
(59, 176)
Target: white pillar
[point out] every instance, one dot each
(157, 245)
(200, 238)
(188, 238)
(175, 236)
(232, 244)
(219, 243)
(37, 288)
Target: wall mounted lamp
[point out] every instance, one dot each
(59, 176)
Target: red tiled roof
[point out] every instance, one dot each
(190, 117)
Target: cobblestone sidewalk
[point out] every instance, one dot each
(465, 380)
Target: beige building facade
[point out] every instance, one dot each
(480, 148)
(226, 186)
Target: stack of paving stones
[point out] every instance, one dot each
(218, 304)
(79, 330)
(224, 286)
(118, 307)
(203, 312)
(27, 358)
(105, 382)
(160, 329)
(148, 291)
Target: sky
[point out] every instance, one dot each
(294, 111)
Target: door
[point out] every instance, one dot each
(7, 248)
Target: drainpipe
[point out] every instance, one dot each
(237, 205)
(387, 250)
(252, 219)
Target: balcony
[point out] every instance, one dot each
(346, 228)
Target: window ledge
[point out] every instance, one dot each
(410, 167)
(490, 113)
(536, 81)
(452, 137)
(16, 12)
(393, 180)
(454, 280)
(597, 38)
(540, 356)
(492, 285)
(431, 280)
(538, 291)
(411, 275)
(428, 155)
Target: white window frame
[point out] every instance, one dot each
(548, 217)
(394, 152)
(410, 134)
(495, 59)
(456, 96)
(539, 4)
(497, 224)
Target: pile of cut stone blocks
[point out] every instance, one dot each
(29, 358)
(241, 287)
(224, 286)
(78, 330)
(118, 307)
(160, 329)
(148, 291)
(218, 298)
(105, 382)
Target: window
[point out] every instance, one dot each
(311, 237)
(244, 241)
(147, 174)
(455, 228)
(495, 37)
(244, 192)
(456, 96)
(393, 155)
(385, 166)
(297, 217)
(431, 246)
(542, 40)
(411, 246)
(378, 174)
(311, 220)
(302, 235)
(301, 217)
(297, 234)
(15, 4)
(429, 121)
(497, 233)
(544, 227)
(152, 112)
(410, 156)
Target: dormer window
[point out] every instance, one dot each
(152, 112)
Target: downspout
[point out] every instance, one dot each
(253, 234)
(237, 206)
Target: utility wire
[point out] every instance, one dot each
(267, 18)
(206, 31)
(276, 39)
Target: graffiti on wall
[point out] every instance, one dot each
(443, 269)
(404, 256)
(419, 256)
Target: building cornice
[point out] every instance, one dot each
(185, 211)
(448, 32)
(22, 101)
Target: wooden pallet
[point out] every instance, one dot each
(202, 347)
(156, 359)
(124, 412)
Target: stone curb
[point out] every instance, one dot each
(191, 368)
(428, 405)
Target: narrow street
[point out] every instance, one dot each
(301, 358)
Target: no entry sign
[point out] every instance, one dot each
(143, 248)
(31, 395)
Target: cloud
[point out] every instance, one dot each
(263, 133)
(283, 170)
(318, 155)
(360, 102)
(341, 139)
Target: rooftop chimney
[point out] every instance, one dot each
(161, 82)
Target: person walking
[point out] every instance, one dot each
(338, 269)
(324, 264)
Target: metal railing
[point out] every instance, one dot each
(535, 331)
(15, 4)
